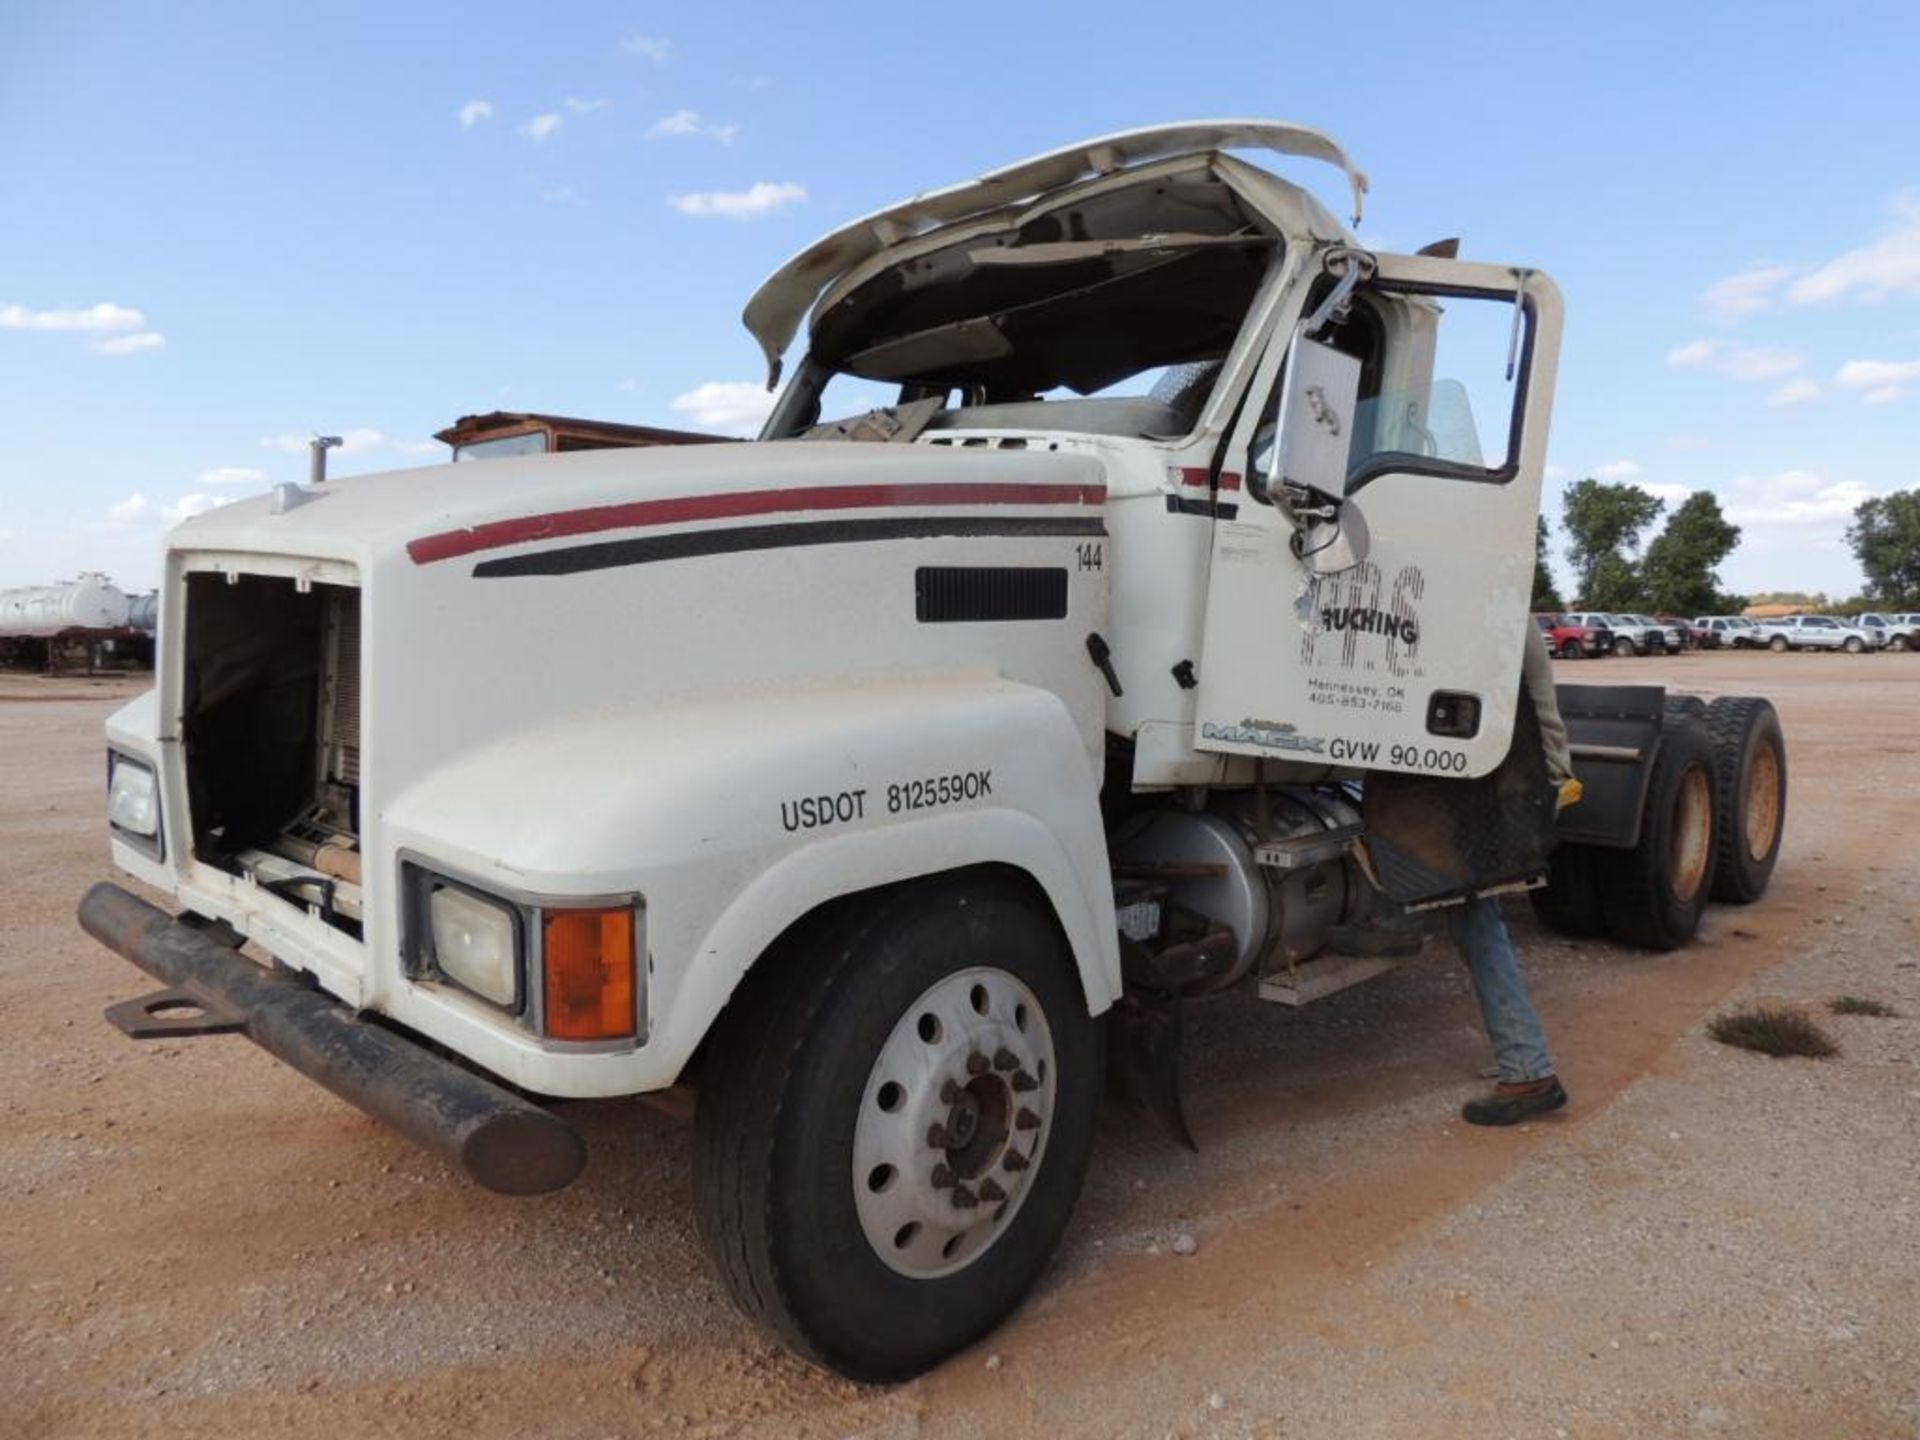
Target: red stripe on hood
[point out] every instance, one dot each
(689, 509)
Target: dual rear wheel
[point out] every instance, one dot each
(1715, 814)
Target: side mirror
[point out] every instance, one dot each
(1308, 468)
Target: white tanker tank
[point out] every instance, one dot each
(45, 611)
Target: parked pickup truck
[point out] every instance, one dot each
(1815, 632)
(1733, 632)
(1569, 641)
(1892, 632)
(1632, 634)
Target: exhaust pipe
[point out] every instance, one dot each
(499, 1140)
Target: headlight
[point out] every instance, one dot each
(476, 942)
(133, 798)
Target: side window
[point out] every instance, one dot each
(1442, 385)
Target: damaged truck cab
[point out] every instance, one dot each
(1163, 616)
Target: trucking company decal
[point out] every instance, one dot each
(1355, 621)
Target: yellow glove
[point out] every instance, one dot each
(1570, 793)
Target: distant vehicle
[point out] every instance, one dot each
(1574, 642)
(1733, 632)
(1814, 632)
(1691, 636)
(1597, 620)
(1670, 635)
(1892, 632)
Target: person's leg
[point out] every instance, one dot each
(1527, 1081)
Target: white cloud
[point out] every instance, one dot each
(1886, 266)
(1792, 499)
(474, 111)
(687, 125)
(1882, 381)
(1745, 293)
(737, 406)
(651, 46)
(586, 107)
(102, 317)
(131, 344)
(542, 128)
(232, 475)
(754, 203)
(1616, 470)
(1737, 362)
(130, 511)
(1795, 392)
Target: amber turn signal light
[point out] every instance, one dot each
(589, 974)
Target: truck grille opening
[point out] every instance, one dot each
(271, 735)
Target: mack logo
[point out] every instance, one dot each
(1368, 621)
(1355, 620)
(1267, 734)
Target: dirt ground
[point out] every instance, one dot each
(195, 1241)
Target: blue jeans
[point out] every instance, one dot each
(1519, 1039)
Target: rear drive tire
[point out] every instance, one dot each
(858, 1110)
(1652, 895)
(1750, 790)
(1569, 903)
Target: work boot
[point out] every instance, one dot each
(1514, 1100)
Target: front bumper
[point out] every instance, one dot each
(495, 1137)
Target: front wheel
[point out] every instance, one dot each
(1623, 646)
(1855, 645)
(1778, 644)
(894, 1124)
(1570, 650)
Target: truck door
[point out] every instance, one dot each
(1368, 598)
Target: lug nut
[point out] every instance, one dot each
(942, 1177)
(1014, 1160)
(950, 1093)
(963, 1198)
(1023, 1082)
(991, 1192)
(977, 1064)
(1005, 1059)
(937, 1136)
(1026, 1120)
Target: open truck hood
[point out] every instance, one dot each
(777, 308)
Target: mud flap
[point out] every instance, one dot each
(1433, 840)
(1146, 1032)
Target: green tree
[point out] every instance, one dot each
(1546, 596)
(1885, 536)
(1677, 576)
(1603, 521)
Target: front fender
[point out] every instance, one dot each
(735, 815)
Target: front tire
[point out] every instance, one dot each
(1855, 645)
(1623, 646)
(1778, 644)
(894, 1124)
(1570, 650)
(1653, 894)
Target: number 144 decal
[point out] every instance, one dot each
(1092, 554)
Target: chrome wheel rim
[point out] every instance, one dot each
(953, 1123)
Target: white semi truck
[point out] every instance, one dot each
(878, 779)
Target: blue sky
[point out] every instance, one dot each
(226, 226)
